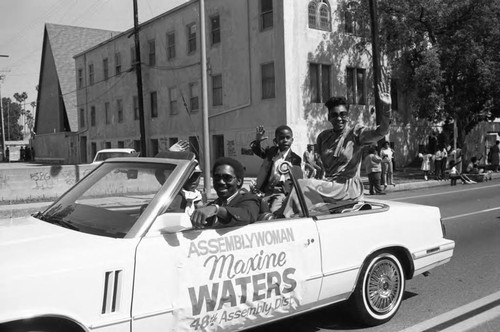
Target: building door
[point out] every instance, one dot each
(218, 146)
(93, 150)
(154, 147)
(83, 150)
(137, 145)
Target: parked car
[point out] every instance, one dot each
(111, 255)
(104, 154)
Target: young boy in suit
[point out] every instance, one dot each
(270, 182)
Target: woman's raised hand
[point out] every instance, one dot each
(384, 93)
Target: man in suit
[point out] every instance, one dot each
(274, 185)
(233, 207)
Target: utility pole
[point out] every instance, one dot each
(1, 111)
(3, 122)
(204, 87)
(138, 72)
(375, 58)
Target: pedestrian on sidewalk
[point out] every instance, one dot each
(373, 168)
(312, 163)
(444, 162)
(387, 154)
(438, 158)
(426, 163)
(495, 156)
(455, 175)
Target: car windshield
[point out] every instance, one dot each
(101, 156)
(110, 200)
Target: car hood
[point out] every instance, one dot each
(29, 246)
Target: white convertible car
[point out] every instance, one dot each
(110, 255)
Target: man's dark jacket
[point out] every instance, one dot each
(242, 210)
(267, 165)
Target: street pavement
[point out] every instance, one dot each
(408, 178)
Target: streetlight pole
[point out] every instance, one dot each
(204, 86)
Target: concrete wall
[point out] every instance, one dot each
(38, 183)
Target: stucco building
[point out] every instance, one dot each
(270, 62)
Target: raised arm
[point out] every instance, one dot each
(369, 135)
(255, 145)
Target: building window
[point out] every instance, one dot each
(107, 145)
(152, 52)
(91, 74)
(132, 57)
(154, 104)
(105, 68)
(172, 97)
(82, 118)
(191, 36)
(319, 15)
(266, 14)
(92, 116)
(215, 29)
(106, 113)
(218, 144)
(354, 21)
(319, 80)
(118, 63)
(216, 90)
(356, 86)
(267, 72)
(154, 147)
(80, 78)
(135, 105)
(121, 144)
(170, 45)
(119, 108)
(312, 10)
(193, 97)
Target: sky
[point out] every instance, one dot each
(22, 25)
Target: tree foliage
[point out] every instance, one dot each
(446, 55)
(11, 114)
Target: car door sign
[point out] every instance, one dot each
(235, 277)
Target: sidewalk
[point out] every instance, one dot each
(408, 178)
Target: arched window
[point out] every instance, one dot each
(319, 15)
(324, 17)
(312, 9)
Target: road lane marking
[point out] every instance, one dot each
(475, 321)
(469, 214)
(471, 314)
(444, 193)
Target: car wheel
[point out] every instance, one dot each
(379, 290)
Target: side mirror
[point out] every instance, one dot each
(171, 222)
